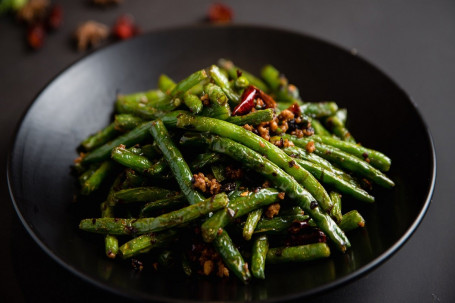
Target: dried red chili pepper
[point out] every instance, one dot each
(220, 13)
(246, 101)
(125, 28)
(269, 102)
(35, 36)
(55, 17)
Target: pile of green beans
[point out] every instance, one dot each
(166, 164)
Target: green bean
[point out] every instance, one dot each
(203, 160)
(107, 211)
(169, 203)
(335, 212)
(222, 81)
(165, 83)
(101, 137)
(231, 256)
(272, 152)
(95, 180)
(351, 220)
(140, 109)
(88, 173)
(139, 163)
(141, 97)
(336, 123)
(375, 158)
(219, 106)
(300, 253)
(111, 246)
(233, 70)
(218, 172)
(319, 129)
(251, 223)
(237, 207)
(142, 194)
(253, 118)
(165, 103)
(126, 122)
(302, 153)
(193, 103)
(134, 136)
(319, 109)
(280, 179)
(278, 224)
(133, 179)
(330, 178)
(145, 243)
(183, 86)
(117, 226)
(272, 76)
(344, 160)
(151, 151)
(284, 91)
(175, 161)
(260, 249)
(241, 83)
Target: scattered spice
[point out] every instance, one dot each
(220, 13)
(33, 11)
(35, 36)
(55, 17)
(90, 33)
(125, 27)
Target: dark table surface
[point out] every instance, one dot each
(412, 41)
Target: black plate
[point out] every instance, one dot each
(80, 101)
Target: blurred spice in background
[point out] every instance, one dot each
(40, 17)
(220, 13)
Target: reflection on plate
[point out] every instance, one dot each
(79, 102)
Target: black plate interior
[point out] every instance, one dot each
(80, 101)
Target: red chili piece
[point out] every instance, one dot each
(55, 17)
(220, 13)
(247, 101)
(35, 36)
(269, 102)
(295, 108)
(125, 28)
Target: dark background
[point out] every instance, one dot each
(412, 41)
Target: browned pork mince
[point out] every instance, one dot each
(286, 122)
(208, 259)
(205, 184)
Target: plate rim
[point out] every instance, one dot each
(362, 271)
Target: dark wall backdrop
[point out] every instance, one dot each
(412, 41)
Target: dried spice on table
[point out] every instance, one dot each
(220, 13)
(125, 27)
(90, 33)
